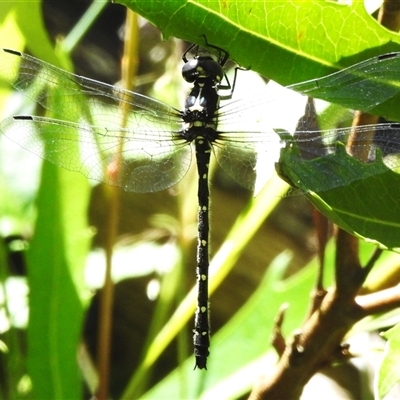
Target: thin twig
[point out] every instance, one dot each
(277, 339)
(129, 66)
(379, 302)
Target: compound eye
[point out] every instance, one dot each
(190, 71)
(211, 69)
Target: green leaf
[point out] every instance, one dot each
(360, 198)
(389, 371)
(59, 248)
(55, 260)
(9, 28)
(55, 265)
(288, 41)
(28, 16)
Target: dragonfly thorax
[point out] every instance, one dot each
(200, 112)
(201, 105)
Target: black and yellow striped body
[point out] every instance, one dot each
(200, 117)
(201, 336)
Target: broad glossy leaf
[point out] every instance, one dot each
(365, 201)
(287, 41)
(56, 258)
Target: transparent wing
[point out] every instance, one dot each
(362, 86)
(249, 144)
(154, 156)
(377, 154)
(149, 161)
(36, 79)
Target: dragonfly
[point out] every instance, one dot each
(153, 149)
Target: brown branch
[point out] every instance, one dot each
(389, 15)
(319, 342)
(309, 350)
(322, 227)
(379, 302)
(348, 270)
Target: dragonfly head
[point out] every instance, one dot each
(203, 70)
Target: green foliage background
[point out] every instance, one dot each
(272, 37)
